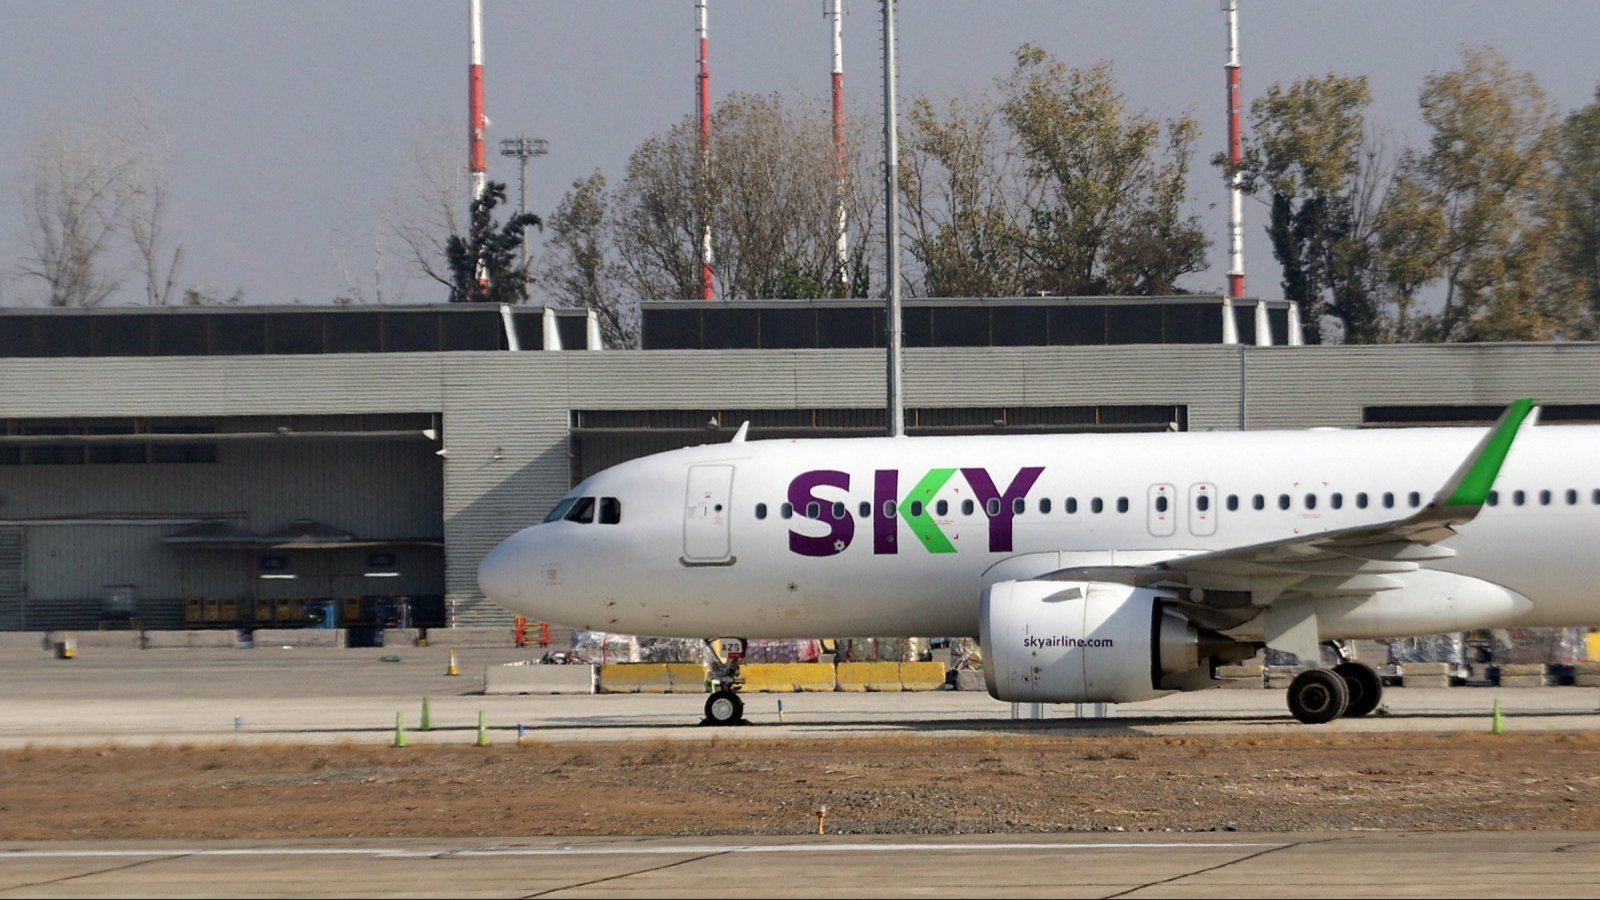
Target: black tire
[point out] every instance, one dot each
(724, 708)
(1365, 688)
(1318, 696)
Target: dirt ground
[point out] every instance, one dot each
(738, 786)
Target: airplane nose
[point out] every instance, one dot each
(497, 574)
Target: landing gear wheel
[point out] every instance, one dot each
(1318, 696)
(1363, 685)
(724, 708)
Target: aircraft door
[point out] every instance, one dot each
(707, 507)
(1162, 509)
(1202, 509)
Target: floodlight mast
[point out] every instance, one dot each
(524, 148)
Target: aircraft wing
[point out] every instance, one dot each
(1344, 562)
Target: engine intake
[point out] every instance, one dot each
(1093, 642)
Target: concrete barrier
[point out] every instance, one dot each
(777, 678)
(191, 640)
(1250, 676)
(275, 638)
(1425, 674)
(521, 679)
(922, 676)
(971, 680)
(462, 638)
(1585, 679)
(652, 678)
(93, 640)
(401, 637)
(868, 676)
(23, 640)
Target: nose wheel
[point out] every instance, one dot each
(725, 706)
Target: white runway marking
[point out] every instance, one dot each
(626, 849)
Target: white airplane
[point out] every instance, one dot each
(1092, 568)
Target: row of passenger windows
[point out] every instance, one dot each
(1202, 503)
(607, 511)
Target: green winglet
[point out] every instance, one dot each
(1473, 486)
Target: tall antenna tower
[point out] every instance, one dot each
(891, 227)
(1235, 155)
(477, 164)
(702, 86)
(842, 248)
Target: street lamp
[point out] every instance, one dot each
(524, 148)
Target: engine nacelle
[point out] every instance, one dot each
(1092, 642)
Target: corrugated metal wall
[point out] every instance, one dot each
(11, 579)
(506, 415)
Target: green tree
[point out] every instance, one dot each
(1105, 186)
(576, 270)
(1307, 155)
(1576, 199)
(484, 265)
(1485, 180)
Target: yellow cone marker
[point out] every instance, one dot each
(453, 669)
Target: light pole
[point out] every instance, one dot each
(524, 148)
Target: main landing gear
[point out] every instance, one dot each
(725, 706)
(1348, 690)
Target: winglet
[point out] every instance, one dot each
(1471, 483)
(742, 433)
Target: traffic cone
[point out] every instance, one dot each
(399, 729)
(483, 732)
(1498, 723)
(452, 669)
(427, 723)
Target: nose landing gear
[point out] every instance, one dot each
(725, 706)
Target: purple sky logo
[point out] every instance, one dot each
(889, 509)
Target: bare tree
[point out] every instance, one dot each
(149, 187)
(427, 211)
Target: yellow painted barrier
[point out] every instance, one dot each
(776, 678)
(687, 678)
(921, 676)
(652, 678)
(869, 676)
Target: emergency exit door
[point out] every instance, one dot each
(707, 508)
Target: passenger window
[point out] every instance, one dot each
(1072, 504)
(1283, 501)
(1096, 505)
(1233, 503)
(1161, 504)
(1544, 498)
(1415, 499)
(866, 510)
(1572, 497)
(991, 507)
(1518, 498)
(1311, 501)
(942, 508)
(888, 509)
(1044, 506)
(813, 510)
(838, 510)
(786, 510)
(967, 507)
(1595, 497)
(1122, 504)
(916, 508)
(1019, 506)
(561, 510)
(610, 511)
(1259, 502)
(1494, 498)
(1388, 500)
(582, 511)
(761, 510)
(1361, 500)
(1336, 501)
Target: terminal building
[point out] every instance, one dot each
(244, 466)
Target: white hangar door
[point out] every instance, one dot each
(707, 509)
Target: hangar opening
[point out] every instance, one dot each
(222, 522)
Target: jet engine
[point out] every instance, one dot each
(1093, 642)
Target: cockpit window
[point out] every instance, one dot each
(610, 511)
(560, 512)
(582, 511)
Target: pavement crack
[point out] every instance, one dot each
(645, 871)
(1222, 865)
(109, 869)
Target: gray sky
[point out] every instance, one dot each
(294, 122)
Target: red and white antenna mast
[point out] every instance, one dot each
(1235, 155)
(702, 87)
(842, 249)
(477, 163)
